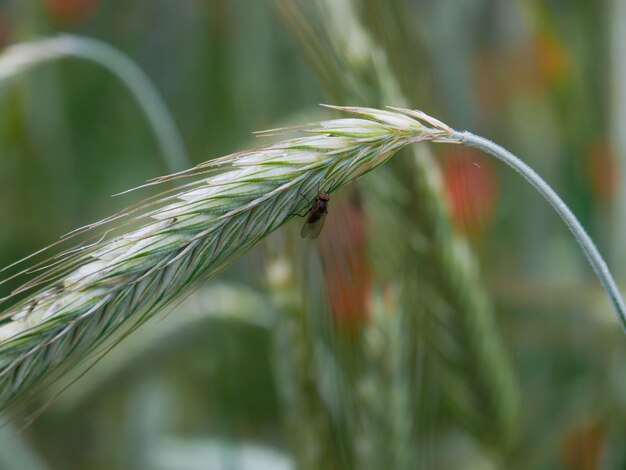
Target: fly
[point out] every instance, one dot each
(316, 216)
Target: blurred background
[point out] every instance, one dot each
(444, 319)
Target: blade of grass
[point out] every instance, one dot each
(24, 56)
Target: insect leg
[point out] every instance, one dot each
(307, 210)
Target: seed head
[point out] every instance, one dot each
(221, 209)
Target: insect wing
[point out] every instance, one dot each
(313, 229)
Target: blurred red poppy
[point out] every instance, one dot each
(471, 187)
(346, 266)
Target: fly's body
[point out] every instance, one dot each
(316, 216)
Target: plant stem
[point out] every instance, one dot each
(21, 57)
(589, 248)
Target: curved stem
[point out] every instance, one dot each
(23, 56)
(589, 248)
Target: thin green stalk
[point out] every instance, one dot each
(385, 403)
(22, 57)
(15, 451)
(307, 418)
(586, 244)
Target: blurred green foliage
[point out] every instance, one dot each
(541, 78)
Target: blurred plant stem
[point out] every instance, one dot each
(456, 320)
(617, 24)
(308, 422)
(22, 57)
(15, 453)
(174, 453)
(383, 437)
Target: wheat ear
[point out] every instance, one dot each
(230, 204)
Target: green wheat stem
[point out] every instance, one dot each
(383, 391)
(307, 418)
(21, 57)
(584, 240)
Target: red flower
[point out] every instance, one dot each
(471, 187)
(346, 267)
